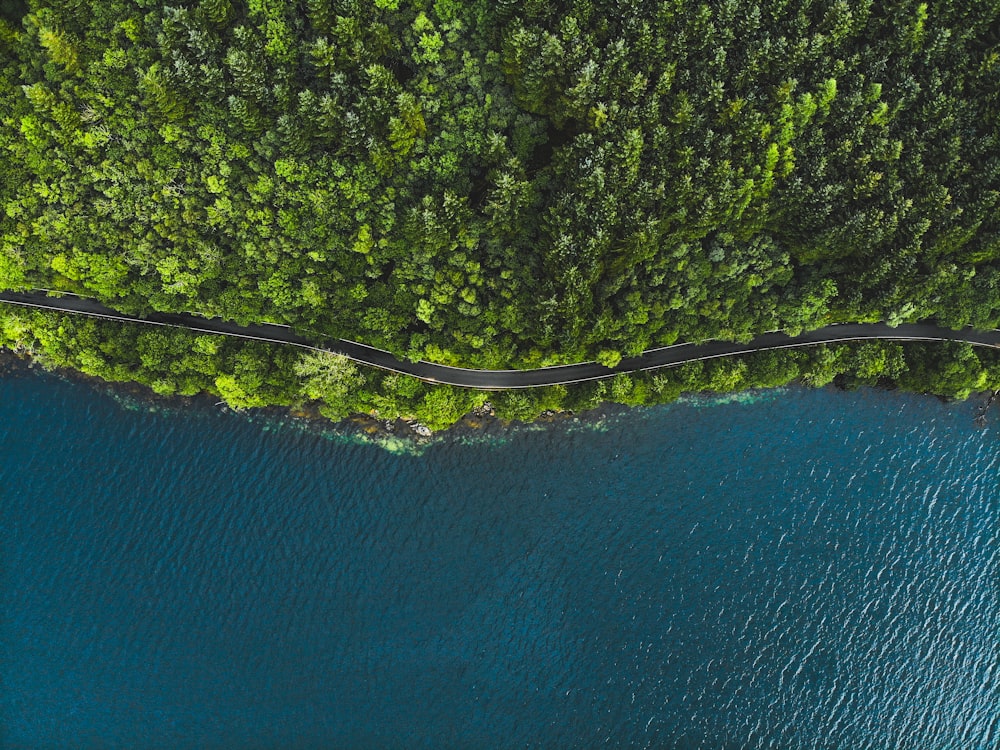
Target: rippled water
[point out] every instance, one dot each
(812, 569)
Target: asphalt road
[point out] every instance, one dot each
(512, 379)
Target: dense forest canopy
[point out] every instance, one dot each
(496, 183)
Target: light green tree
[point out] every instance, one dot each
(329, 377)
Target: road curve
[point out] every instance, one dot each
(496, 380)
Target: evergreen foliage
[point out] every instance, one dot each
(502, 184)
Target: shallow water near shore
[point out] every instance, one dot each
(799, 569)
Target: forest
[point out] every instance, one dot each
(501, 184)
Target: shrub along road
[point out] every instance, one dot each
(512, 379)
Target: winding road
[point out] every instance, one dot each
(651, 359)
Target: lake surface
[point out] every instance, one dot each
(806, 569)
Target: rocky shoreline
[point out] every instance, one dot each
(480, 422)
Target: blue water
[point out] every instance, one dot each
(809, 569)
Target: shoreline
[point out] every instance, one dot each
(479, 423)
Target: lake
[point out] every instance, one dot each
(790, 569)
